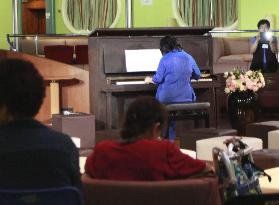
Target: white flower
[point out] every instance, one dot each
(241, 87)
(227, 90)
(249, 72)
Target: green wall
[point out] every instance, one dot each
(159, 14)
(251, 11)
(6, 22)
(60, 26)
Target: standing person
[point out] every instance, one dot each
(141, 155)
(173, 76)
(264, 49)
(31, 155)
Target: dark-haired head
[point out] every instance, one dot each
(168, 44)
(144, 119)
(262, 22)
(21, 89)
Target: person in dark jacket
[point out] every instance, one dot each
(31, 155)
(264, 49)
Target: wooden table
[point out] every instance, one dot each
(55, 84)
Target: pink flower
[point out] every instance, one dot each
(238, 80)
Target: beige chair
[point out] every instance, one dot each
(187, 191)
(273, 139)
(205, 146)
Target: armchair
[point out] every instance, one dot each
(185, 191)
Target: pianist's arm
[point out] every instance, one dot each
(160, 73)
(196, 74)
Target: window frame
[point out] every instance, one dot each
(74, 30)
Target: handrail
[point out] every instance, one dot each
(10, 43)
(239, 31)
(36, 37)
(46, 35)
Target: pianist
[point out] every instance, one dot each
(173, 76)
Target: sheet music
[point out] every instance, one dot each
(130, 82)
(142, 60)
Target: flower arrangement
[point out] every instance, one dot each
(238, 80)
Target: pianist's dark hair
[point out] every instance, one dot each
(21, 88)
(169, 43)
(141, 116)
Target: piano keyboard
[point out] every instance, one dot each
(202, 80)
(140, 82)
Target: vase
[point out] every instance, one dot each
(242, 109)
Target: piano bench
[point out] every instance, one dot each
(189, 111)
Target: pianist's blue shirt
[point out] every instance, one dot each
(173, 77)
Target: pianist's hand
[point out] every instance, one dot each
(148, 80)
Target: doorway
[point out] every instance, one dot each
(33, 16)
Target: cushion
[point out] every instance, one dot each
(188, 106)
(42, 42)
(61, 53)
(219, 50)
(235, 58)
(273, 140)
(235, 46)
(81, 54)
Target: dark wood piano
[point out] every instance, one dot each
(107, 67)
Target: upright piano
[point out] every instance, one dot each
(109, 96)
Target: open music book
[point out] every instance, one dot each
(142, 60)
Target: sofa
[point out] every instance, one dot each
(190, 191)
(231, 52)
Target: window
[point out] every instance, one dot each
(83, 16)
(217, 13)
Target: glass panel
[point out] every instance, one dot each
(218, 13)
(86, 15)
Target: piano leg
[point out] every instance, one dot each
(108, 110)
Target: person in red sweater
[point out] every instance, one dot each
(141, 155)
